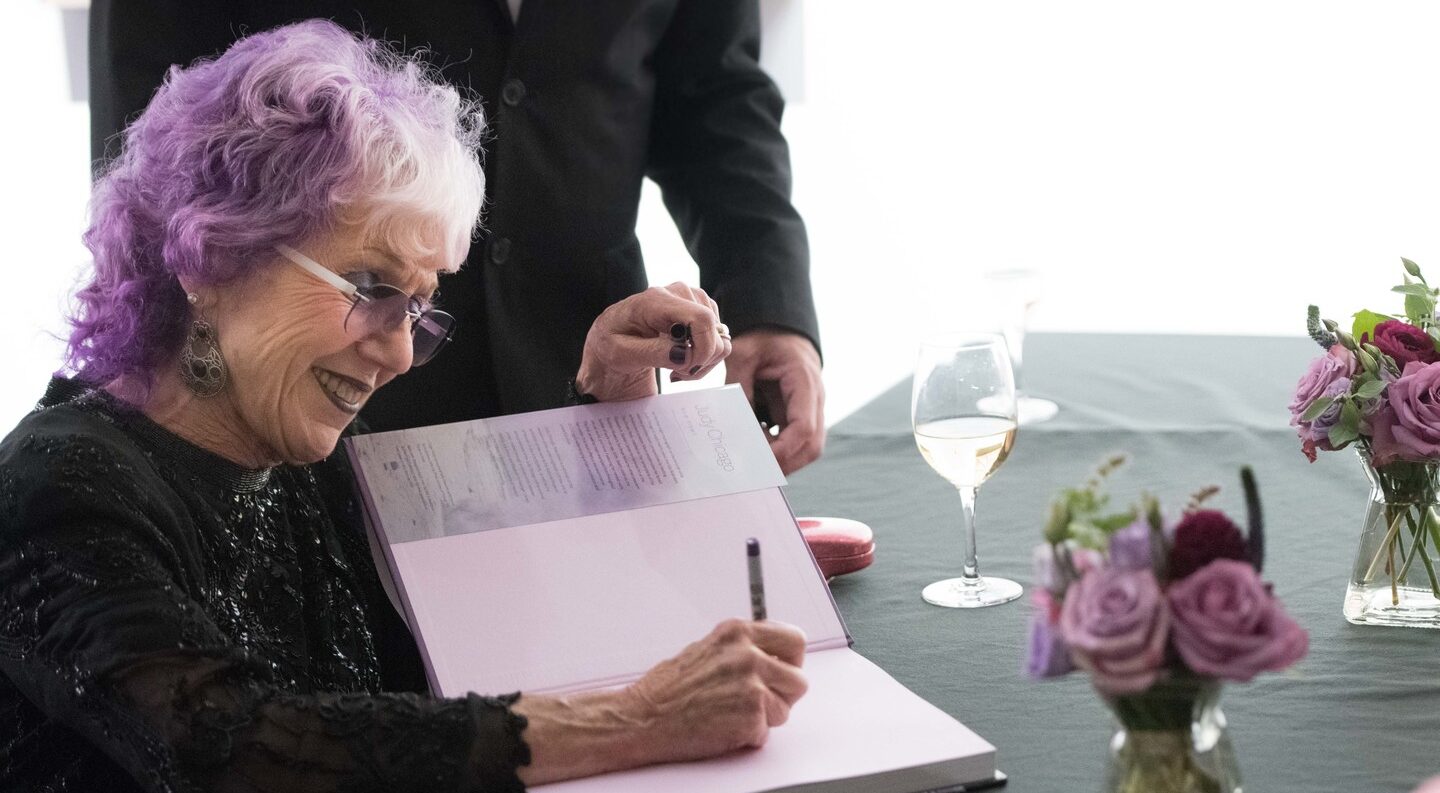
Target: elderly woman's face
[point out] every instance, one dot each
(297, 376)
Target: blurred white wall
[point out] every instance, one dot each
(1171, 168)
(45, 143)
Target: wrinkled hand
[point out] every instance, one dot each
(631, 338)
(723, 692)
(791, 360)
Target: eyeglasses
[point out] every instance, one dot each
(380, 308)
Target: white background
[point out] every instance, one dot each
(1194, 168)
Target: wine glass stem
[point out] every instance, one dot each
(1015, 340)
(970, 573)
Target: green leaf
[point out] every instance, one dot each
(1316, 408)
(1420, 310)
(1370, 389)
(1113, 523)
(1347, 428)
(1089, 535)
(1350, 414)
(1365, 322)
(1153, 515)
(1341, 435)
(1419, 290)
(1056, 522)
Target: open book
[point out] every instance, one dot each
(573, 549)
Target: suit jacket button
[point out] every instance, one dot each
(499, 250)
(513, 92)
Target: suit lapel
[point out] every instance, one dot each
(505, 11)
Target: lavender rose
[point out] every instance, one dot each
(1048, 657)
(1404, 342)
(1130, 547)
(1116, 623)
(1407, 426)
(1320, 425)
(1336, 365)
(1228, 625)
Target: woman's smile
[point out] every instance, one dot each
(345, 392)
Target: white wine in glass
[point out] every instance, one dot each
(963, 412)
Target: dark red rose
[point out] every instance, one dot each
(1404, 342)
(1201, 537)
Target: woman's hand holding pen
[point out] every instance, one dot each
(675, 327)
(719, 694)
(723, 692)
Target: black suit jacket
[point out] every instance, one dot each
(584, 99)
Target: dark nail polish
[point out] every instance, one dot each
(677, 354)
(688, 335)
(694, 369)
(678, 331)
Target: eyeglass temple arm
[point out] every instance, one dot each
(316, 269)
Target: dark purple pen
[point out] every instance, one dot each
(757, 580)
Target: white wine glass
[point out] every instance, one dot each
(1014, 292)
(962, 408)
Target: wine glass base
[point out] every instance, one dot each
(1033, 410)
(955, 593)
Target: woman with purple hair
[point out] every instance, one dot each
(187, 598)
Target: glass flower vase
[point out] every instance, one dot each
(1171, 738)
(1396, 579)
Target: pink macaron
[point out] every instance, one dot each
(839, 545)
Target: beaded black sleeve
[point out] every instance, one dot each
(574, 396)
(170, 621)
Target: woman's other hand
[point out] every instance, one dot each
(633, 337)
(718, 695)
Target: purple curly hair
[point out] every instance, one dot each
(289, 133)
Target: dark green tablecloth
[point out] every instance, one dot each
(1360, 713)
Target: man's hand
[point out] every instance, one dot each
(632, 337)
(789, 359)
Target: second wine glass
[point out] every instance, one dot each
(962, 408)
(1013, 292)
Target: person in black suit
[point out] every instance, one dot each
(584, 99)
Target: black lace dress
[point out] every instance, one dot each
(170, 621)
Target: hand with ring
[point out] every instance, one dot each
(675, 327)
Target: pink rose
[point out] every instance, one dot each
(1404, 342)
(1407, 425)
(1115, 623)
(1321, 379)
(1431, 785)
(1228, 625)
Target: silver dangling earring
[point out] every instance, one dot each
(201, 366)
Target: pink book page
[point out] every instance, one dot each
(856, 721)
(597, 600)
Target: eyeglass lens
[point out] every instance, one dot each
(385, 307)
